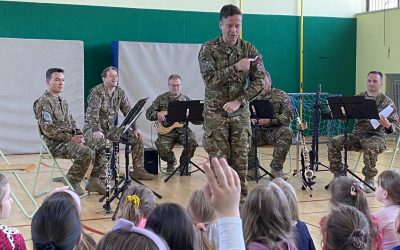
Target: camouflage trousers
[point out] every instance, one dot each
(278, 136)
(100, 158)
(82, 156)
(165, 144)
(229, 138)
(371, 146)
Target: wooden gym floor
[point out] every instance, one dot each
(179, 188)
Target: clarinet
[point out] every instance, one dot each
(315, 133)
(107, 205)
(307, 174)
(115, 165)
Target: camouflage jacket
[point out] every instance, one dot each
(55, 119)
(102, 109)
(223, 83)
(364, 127)
(161, 104)
(283, 110)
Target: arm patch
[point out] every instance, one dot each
(47, 117)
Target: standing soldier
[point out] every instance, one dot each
(59, 129)
(371, 140)
(232, 71)
(166, 140)
(275, 131)
(104, 102)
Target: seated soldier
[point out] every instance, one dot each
(275, 131)
(63, 137)
(167, 137)
(371, 140)
(104, 102)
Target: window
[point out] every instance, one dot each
(374, 5)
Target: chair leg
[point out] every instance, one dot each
(395, 152)
(358, 161)
(31, 198)
(290, 163)
(55, 166)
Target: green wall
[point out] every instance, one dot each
(378, 44)
(329, 49)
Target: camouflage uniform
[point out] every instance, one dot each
(278, 132)
(228, 135)
(58, 127)
(165, 143)
(101, 115)
(371, 141)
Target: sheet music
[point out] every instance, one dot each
(385, 113)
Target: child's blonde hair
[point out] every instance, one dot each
(3, 183)
(136, 203)
(290, 194)
(389, 180)
(202, 211)
(266, 219)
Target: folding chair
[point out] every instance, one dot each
(392, 150)
(44, 155)
(16, 169)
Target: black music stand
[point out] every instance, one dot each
(259, 109)
(352, 107)
(185, 112)
(124, 129)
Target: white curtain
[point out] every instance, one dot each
(23, 67)
(143, 72)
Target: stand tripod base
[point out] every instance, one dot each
(257, 177)
(183, 168)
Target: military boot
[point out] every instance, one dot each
(78, 189)
(140, 174)
(75, 185)
(170, 166)
(278, 174)
(370, 182)
(251, 173)
(95, 185)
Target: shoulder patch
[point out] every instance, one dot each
(94, 102)
(47, 117)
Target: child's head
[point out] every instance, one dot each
(388, 187)
(56, 223)
(86, 243)
(200, 208)
(5, 197)
(173, 223)
(290, 194)
(136, 203)
(347, 228)
(266, 219)
(125, 235)
(202, 212)
(348, 191)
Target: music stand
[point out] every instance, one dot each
(352, 107)
(126, 124)
(185, 112)
(259, 109)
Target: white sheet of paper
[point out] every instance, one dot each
(385, 113)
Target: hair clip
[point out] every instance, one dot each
(355, 188)
(353, 191)
(201, 227)
(134, 199)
